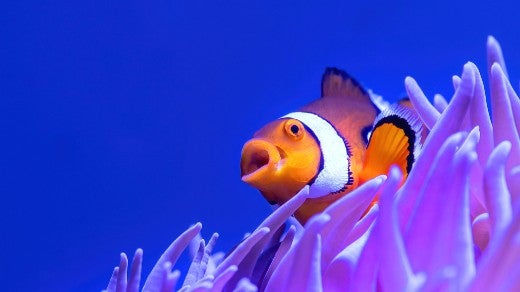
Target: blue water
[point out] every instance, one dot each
(122, 122)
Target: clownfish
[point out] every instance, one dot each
(334, 144)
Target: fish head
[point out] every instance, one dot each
(280, 159)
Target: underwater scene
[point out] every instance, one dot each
(254, 146)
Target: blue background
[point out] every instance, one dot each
(122, 122)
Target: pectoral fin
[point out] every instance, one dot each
(395, 140)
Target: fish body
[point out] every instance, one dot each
(326, 145)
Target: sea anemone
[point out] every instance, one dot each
(453, 225)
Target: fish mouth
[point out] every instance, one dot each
(260, 160)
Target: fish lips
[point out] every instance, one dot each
(260, 162)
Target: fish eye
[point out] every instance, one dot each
(294, 129)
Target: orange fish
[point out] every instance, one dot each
(333, 144)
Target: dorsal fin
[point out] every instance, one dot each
(336, 82)
(395, 140)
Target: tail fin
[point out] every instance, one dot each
(395, 140)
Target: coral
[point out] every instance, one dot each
(453, 225)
